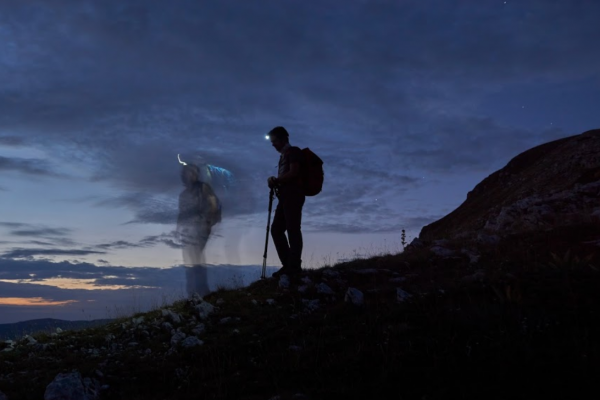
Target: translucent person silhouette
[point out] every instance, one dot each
(199, 211)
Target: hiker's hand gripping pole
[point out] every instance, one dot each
(264, 266)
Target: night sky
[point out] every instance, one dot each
(409, 103)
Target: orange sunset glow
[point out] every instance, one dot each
(32, 301)
(69, 283)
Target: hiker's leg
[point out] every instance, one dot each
(278, 234)
(197, 280)
(293, 219)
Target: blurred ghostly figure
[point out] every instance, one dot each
(199, 211)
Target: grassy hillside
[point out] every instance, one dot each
(48, 325)
(515, 320)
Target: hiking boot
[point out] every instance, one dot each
(281, 271)
(285, 270)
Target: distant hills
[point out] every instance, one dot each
(48, 325)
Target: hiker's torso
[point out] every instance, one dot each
(289, 154)
(194, 205)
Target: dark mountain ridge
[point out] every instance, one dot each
(552, 185)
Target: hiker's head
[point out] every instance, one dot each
(279, 137)
(190, 174)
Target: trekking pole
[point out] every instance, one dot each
(264, 266)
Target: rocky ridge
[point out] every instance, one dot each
(556, 184)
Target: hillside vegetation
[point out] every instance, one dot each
(517, 319)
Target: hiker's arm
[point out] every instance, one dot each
(211, 199)
(291, 174)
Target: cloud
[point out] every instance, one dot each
(28, 253)
(56, 237)
(392, 224)
(81, 294)
(52, 236)
(168, 239)
(28, 166)
(385, 93)
(13, 224)
(119, 244)
(339, 67)
(11, 141)
(465, 144)
(44, 269)
(43, 232)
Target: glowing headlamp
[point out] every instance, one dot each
(181, 162)
(267, 137)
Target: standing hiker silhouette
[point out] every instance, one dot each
(199, 211)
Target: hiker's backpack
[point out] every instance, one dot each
(312, 173)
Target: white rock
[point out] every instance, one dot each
(30, 341)
(307, 280)
(198, 329)
(205, 309)
(284, 282)
(191, 341)
(254, 302)
(402, 296)
(137, 321)
(58, 330)
(302, 288)
(323, 288)
(441, 251)
(195, 298)
(311, 305)
(177, 337)
(331, 273)
(70, 386)
(270, 302)
(473, 257)
(354, 296)
(225, 320)
(171, 316)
